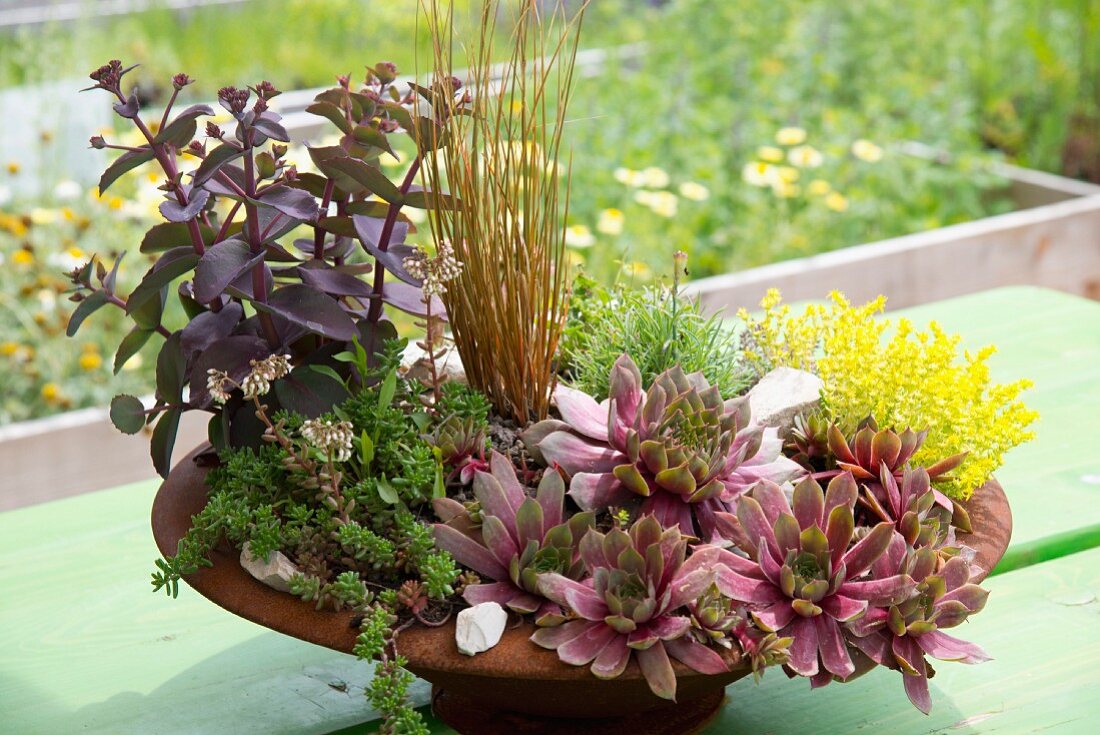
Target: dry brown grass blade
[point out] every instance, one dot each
(508, 307)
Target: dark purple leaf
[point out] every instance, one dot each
(308, 392)
(181, 130)
(127, 348)
(222, 264)
(312, 309)
(209, 327)
(127, 161)
(341, 247)
(294, 203)
(173, 264)
(332, 280)
(273, 224)
(127, 414)
(278, 254)
(332, 112)
(214, 160)
(231, 355)
(164, 439)
(175, 212)
(241, 288)
(171, 370)
(337, 225)
(147, 316)
(355, 176)
(268, 124)
(167, 235)
(372, 136)
(218, 187)
(410, 300)
(92, 303)
(369, 229)
(129, 108)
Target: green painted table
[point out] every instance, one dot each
(85, 647)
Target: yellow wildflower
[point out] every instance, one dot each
(9, 348)
(90, 361)
(865, 150)
(805, 156)
(836, 201)
(14, 167)
(694, 191)
(628, 176)
(22, 257)
(610, 222)
(790, 136)
(517, 105)
(769, 153)
(579, 236)
(51, 392)
(819, 187)
(637, 269)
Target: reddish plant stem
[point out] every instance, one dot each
(318, 231)
(384, 238)
(255, 244)
(228, 221)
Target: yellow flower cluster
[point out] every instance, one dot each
(902, 377)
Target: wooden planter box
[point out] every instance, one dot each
(1052, 239)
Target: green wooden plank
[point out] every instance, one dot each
(1052, 338)
(86, 647)
(1040, 627)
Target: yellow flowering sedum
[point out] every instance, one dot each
(901, 376)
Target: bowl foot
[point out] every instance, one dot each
(472, 717)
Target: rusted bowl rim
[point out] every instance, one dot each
(225, 583)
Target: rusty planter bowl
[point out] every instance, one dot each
(516, 687)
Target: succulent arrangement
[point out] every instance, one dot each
(659, 522)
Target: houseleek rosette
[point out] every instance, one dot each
(681, 449)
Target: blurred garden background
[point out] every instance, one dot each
(741, 132)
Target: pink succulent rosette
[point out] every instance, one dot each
(633, 604)
(804, 577)
(681, 449)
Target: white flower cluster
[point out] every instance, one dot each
(434, 272)
(329, 437)
(256, 383)
(218, 385)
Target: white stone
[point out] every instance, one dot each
(275, 572)
(480, 627)
(415, 365)
(781, 395)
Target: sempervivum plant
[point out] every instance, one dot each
(519, 538)
(804, 578)
(678, 446)
(899, 636)
(873, 452)
(633, 603)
